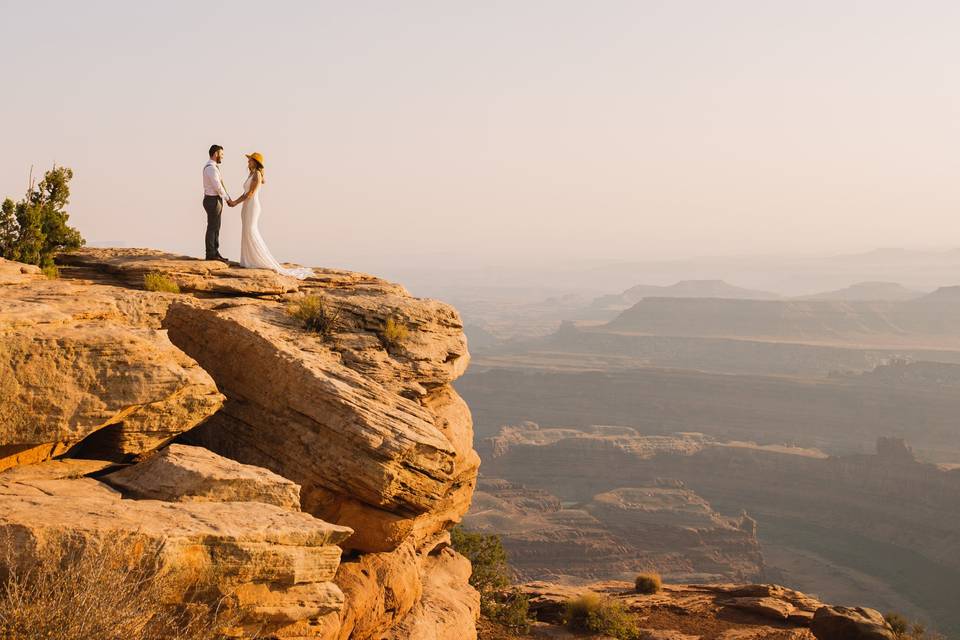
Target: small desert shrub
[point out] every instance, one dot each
(509, 608)
(115, 589)
(491, 576)
(596, 614)
(315, 315)
(394, 332)
(51, 272)
(159, 282)
(488, 557)
(904, 629)
(648, 583)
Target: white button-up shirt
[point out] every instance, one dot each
(212, 182)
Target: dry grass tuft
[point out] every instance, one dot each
(394, 332)
(51, 272)
(315, 315)
(648, 583)
(593, 613)
(159, 282)
(114, 589)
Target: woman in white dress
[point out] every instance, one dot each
(254, 253)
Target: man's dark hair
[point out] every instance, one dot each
(213, 149)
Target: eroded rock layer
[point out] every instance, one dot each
(662, 527)
(77, 359)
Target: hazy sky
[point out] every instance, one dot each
(469, 132)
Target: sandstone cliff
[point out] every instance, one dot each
(316, 476)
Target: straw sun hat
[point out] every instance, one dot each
(256, 155)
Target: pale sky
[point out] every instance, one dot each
(402, 132)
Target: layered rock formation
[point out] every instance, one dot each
(311, 444)
(76, 359)
(887, 518)
(616, 534)
(277, 562)
(842, 414)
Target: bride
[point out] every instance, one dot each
(254, 253)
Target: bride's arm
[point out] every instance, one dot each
(254, 185)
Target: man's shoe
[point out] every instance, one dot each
(222, 259)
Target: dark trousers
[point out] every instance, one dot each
(213, 205)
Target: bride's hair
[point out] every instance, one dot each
(259, 168)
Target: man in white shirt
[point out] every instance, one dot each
(214, 194)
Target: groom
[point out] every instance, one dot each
(214, 194)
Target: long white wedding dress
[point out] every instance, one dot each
(254, 253)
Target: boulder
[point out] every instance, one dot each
(181, 473)
(76, 359)
(772, 608)
(846, 623)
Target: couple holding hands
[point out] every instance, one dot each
(254, 253)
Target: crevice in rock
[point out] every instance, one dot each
(102, 444)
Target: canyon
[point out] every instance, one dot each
(880, 527)
(314, 477)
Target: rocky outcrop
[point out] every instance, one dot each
(369, 450)
(741, 612)
(180, 473)
(360, 429)
(76, 359)
(279, 563)
(844, 623)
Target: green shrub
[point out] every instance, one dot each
(491, 576)
(394, 333)
(511, 609)
(488, 557)
(315, 315)
(596, 614)
(51, 271)
(648, 583)
(159, 282)
(34, 229)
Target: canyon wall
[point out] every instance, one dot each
(662, 527)
(884, 515)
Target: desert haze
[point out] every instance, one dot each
(543, 319)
